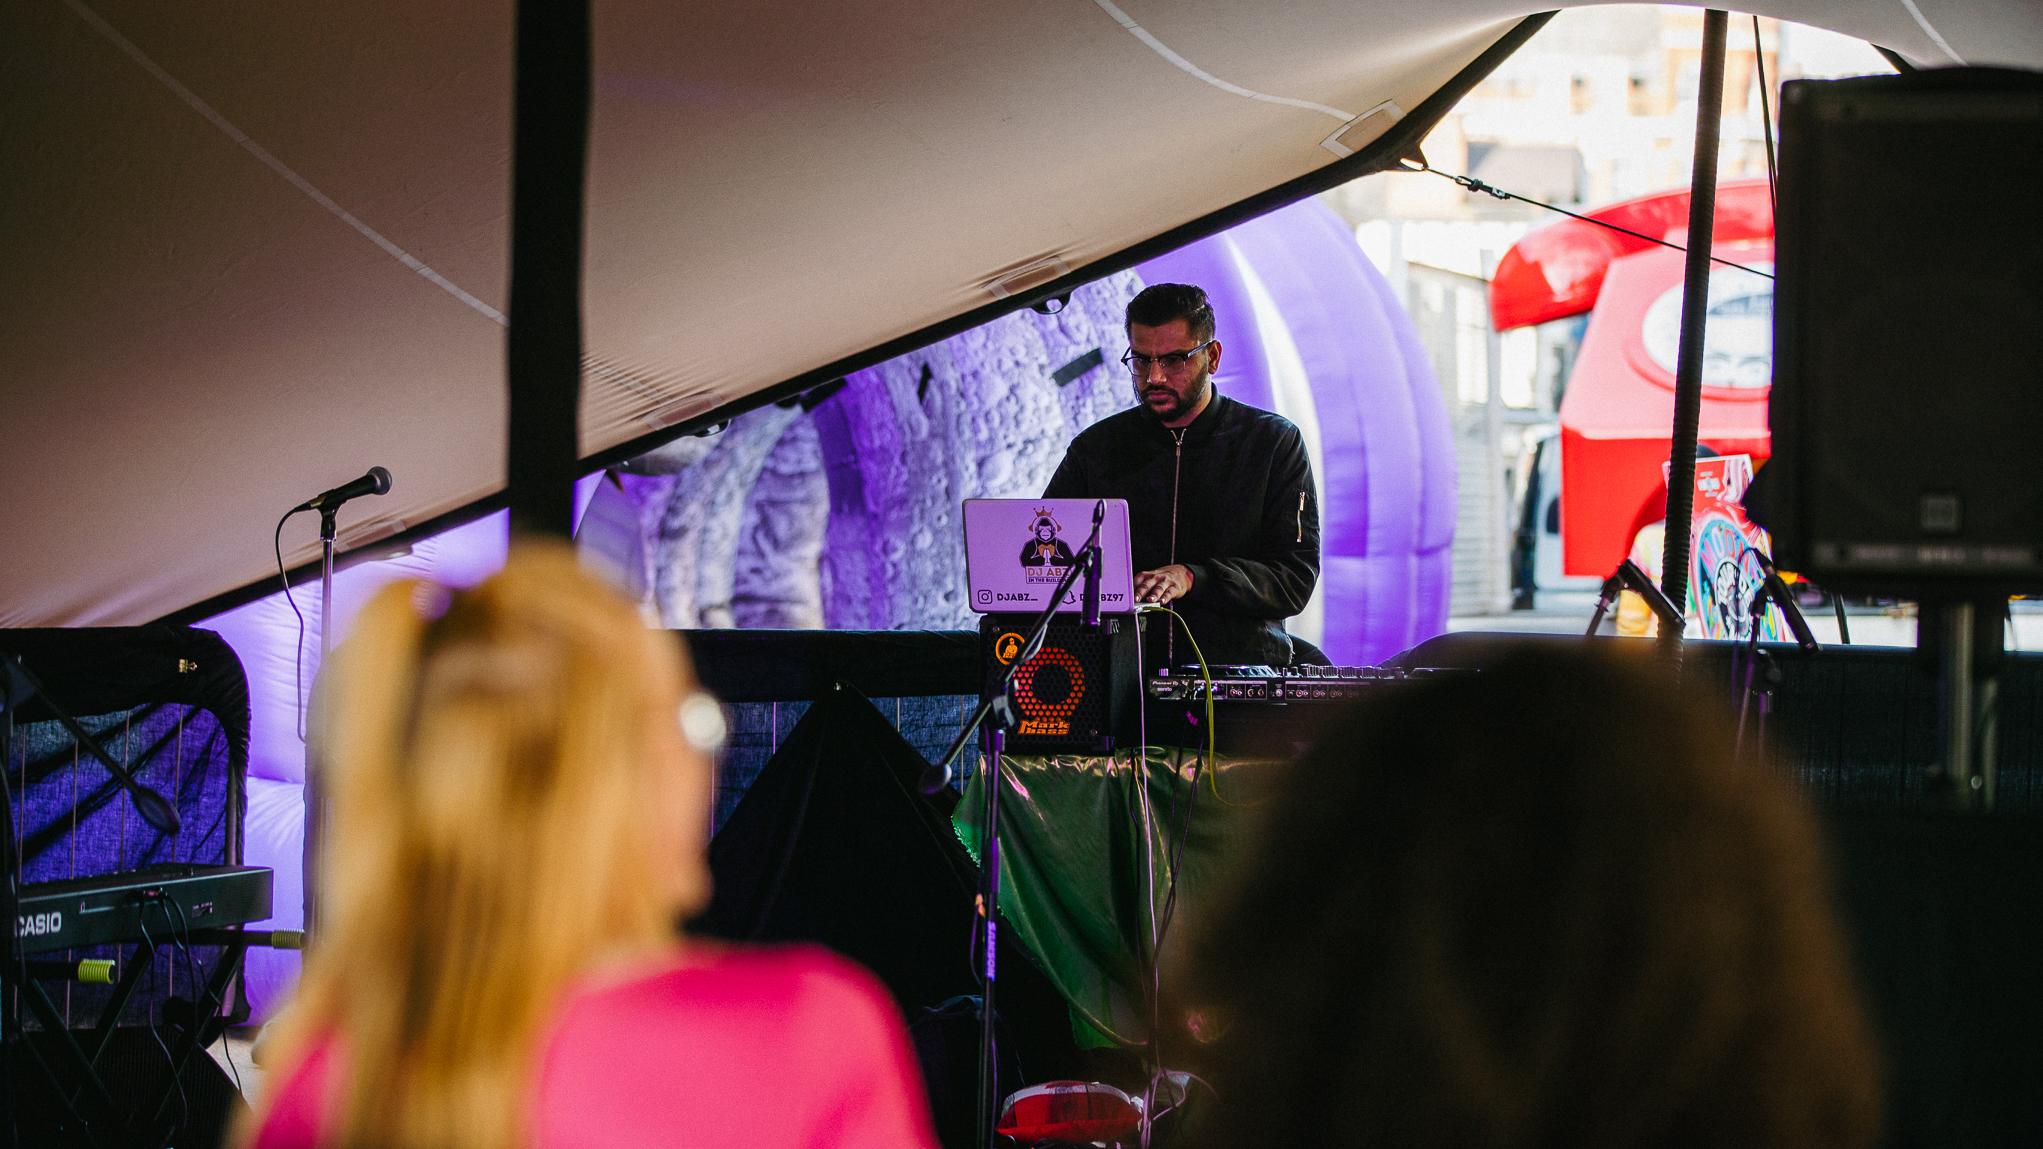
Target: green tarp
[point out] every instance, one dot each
(1073, 874)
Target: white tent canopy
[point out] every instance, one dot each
(248, 250)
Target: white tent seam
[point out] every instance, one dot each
(1201, 74)
(278, 166)
(1923, 22)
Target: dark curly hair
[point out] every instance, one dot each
(1538, 905)
(1160, 303)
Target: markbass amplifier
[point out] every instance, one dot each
(1079, 694)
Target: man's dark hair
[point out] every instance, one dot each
(1160, 303)
(1533, 941)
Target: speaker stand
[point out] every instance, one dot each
(993, 738)
(1965, 639)
(993, 718)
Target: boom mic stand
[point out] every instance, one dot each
(328, 503)
(1761, 674)
(1630, 576)
(996, 704)
(1775, 590)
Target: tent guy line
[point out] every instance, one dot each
(1475, 186)
(1201, 74)
(1923, 22)
(263, 155)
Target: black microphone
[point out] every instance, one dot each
(376, 482)
(1092, 568)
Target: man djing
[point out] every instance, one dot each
(1223, 518)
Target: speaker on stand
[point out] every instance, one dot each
(1907, 403)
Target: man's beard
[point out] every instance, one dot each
(1193, 395)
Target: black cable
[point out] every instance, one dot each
(1475, 185)
(1139, 772)
(169, 1062)
(1178, 816)
(1182, 813)
(298, 652)
(227, 1050)
(1162, 918)
(184, 925)
(1184, 831)
(1766, 120)
(156, 1023)
(212, 1003)
(181, 939)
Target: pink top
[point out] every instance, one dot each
(754, 1047)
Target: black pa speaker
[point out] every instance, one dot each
(198, 1106)
(1079, 694)
(1907, 401)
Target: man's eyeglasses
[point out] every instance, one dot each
(1172, 362)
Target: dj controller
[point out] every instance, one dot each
(1269, 684)
(1261, 709)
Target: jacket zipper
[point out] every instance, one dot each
(1170, 632)
(1301, 517)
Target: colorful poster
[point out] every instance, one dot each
(1725, 548)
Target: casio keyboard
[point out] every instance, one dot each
(162, 903)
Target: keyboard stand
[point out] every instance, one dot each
(76, 1074)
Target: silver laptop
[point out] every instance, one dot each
(1017, 550)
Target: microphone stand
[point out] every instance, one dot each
(315, 785)
(1629, 576)
(1760, 667)
(995, 703)
(1091, 562)
(1777, 591)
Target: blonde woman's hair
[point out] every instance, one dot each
(506, 812)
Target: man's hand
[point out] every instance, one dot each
(1163, 585)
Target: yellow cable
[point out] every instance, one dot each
(1212, 735)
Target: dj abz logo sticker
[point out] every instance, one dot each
(1045, 556)
(1048, 688)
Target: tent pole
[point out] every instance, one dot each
(543, 348)
(1695, 295)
